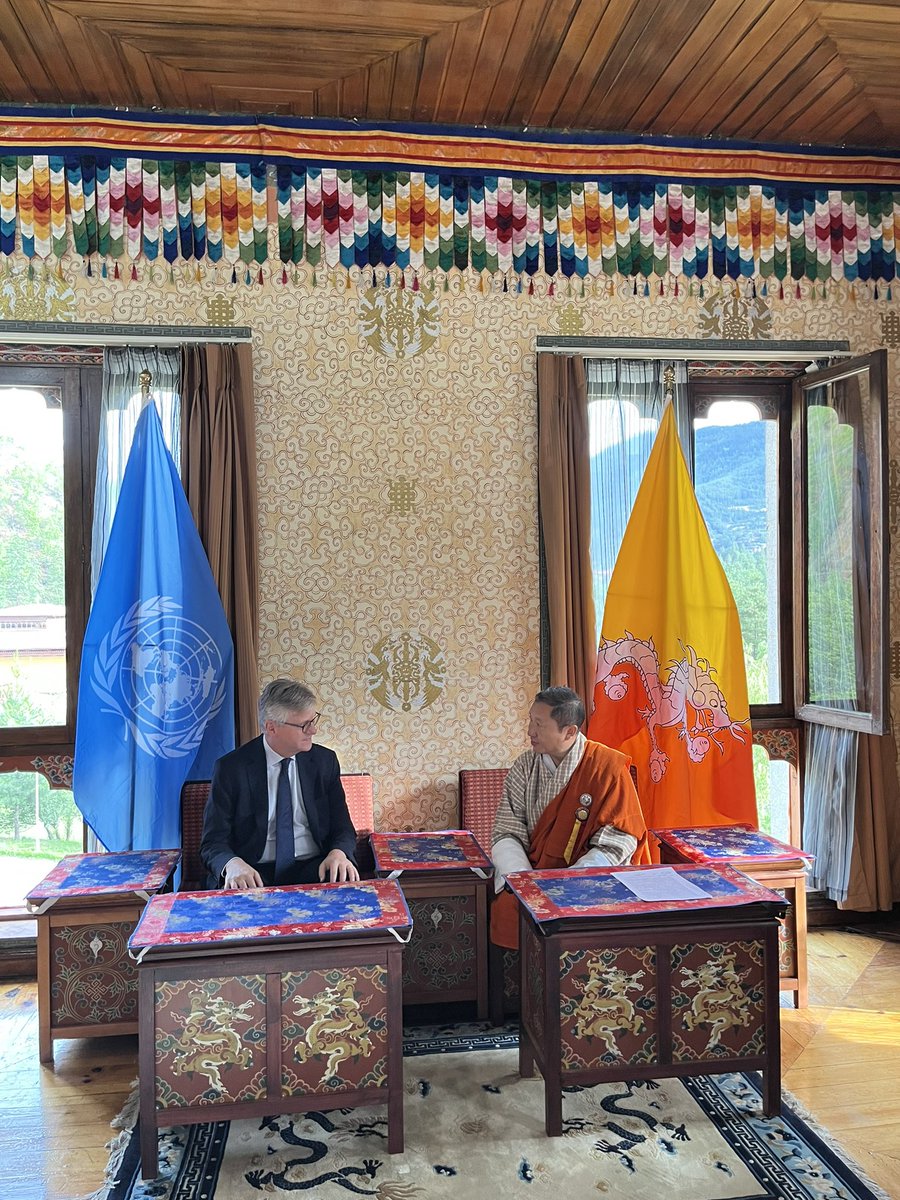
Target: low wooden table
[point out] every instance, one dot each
(86, 910)
(770, 862)
(616, 988)
(284, 999)
(444, 876)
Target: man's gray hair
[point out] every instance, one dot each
(282, 697)
(566, 707)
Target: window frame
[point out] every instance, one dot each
(877, 719)
(80, 388)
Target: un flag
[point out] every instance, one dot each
(155, 696)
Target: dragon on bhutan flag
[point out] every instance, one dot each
(671, 685)
(689, 699)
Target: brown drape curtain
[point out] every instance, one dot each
(218, 467)
(874, 882)
(564, 490)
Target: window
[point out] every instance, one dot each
(772, 777)
(741, 455)
(46, 467)
(770, 459)
(32, 560)
(738, 436)
(45, 501)
(840, 577)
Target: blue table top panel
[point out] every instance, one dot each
(96, 874)
(439, 850)
(595, 892)
(309, 910)
(734, 843)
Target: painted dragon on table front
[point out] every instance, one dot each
(720, 1001)
(605, 1009)
(337, 1031)
(688, 697)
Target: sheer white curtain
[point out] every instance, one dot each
(120, 409)
(838, 615)
(625, 403)
(829, 803)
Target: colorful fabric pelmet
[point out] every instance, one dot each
(495, 204)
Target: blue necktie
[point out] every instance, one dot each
(284, 825)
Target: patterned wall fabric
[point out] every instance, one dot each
(397, 487)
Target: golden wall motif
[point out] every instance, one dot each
(347, 560)
(406, 671)
(399, 322)
(733, 316)
(36, 295)
(220, 310)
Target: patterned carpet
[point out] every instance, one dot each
(473, 1127)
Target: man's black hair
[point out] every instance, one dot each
(566, 707)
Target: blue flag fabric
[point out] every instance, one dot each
(155, 696)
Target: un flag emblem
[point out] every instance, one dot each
(159, 672)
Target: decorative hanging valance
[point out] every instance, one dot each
(96, 185)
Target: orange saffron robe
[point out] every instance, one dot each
(603, 775)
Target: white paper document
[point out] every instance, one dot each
(660, 883)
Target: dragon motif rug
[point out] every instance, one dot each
(475, 1128)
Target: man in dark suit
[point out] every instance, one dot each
(276, 811)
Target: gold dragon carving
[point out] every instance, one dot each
(337, 1029)
(721, 1002)
(208, 1041)
(605, 1008)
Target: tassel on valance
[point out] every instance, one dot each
(139, 209)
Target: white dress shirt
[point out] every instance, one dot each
(305, 845)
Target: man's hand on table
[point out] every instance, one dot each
(240, 876)
(336, 867)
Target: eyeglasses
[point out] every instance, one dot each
(303, 726)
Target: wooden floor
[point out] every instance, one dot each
(841, 1056)
(841, 1060)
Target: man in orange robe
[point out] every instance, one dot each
(566, 802)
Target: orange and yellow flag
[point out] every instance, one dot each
(671, 685)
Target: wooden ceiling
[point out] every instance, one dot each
(821, 71)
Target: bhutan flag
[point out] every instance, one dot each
(671, 685)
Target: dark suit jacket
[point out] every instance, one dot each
(237, 812)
